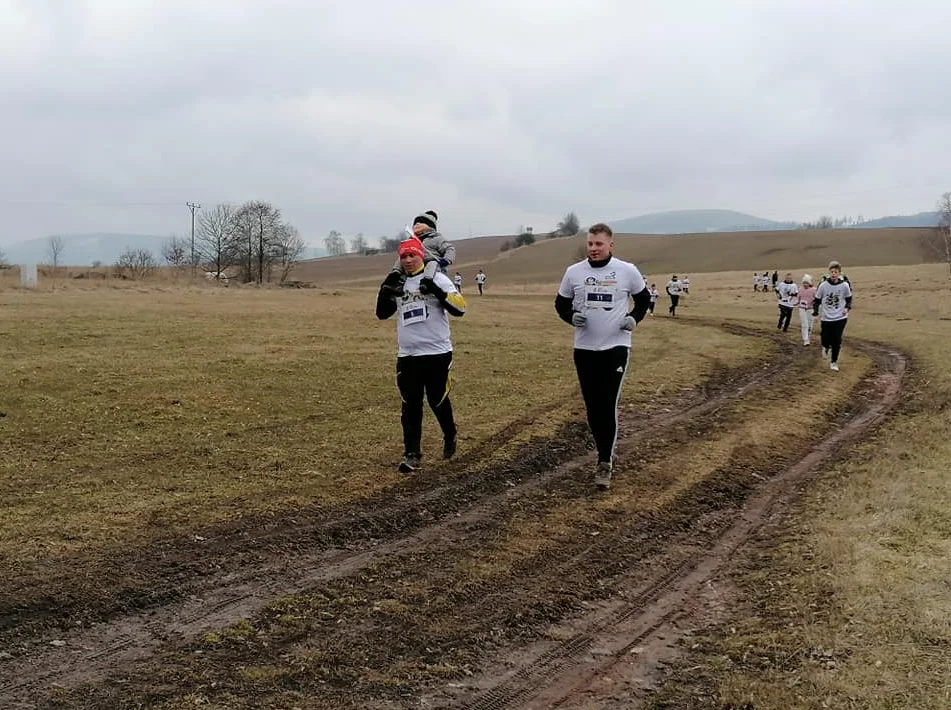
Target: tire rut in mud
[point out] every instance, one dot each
(639, 630)
(475, 512)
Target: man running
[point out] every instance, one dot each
(594, 297)
(834, 298)
(480, 280)
(786, 296)
(424, 359)
(673, 290)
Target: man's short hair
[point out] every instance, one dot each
(600, 228)
(835, 265)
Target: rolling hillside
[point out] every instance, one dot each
(656, 255)
(694, 222)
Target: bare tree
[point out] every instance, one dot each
(136, 263)
(3, 260)
(54, 250)
(359, 244)
(335, 243)
(388, 244)
(217, 240)
(941, 242)
(175, 253)
(288, 249)
(568, 226)
(257, 225)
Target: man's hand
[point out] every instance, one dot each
(392, 285)
(443, 262)
(628, 323)
(428, 286)
(578, 319)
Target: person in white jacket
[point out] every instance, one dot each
(832, 304)
(787, 298)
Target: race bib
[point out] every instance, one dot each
(413, 312)
(596, 296)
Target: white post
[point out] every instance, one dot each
(28, 275)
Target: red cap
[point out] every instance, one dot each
(412, 246)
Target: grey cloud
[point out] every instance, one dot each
(355, 115)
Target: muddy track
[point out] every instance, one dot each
(611, 655)
(453, 512)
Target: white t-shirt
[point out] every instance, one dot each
(787, 294)
(674, 287)
(457, 280)
(654, 295)
(685, 282)
(422, 323)
(480, 278)
(833, 298)
(602, 293)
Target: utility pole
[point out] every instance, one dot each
(193, 206)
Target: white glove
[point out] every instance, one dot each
(578, 319)
(628, 323)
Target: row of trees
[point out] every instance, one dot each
(569, 226)
(252, 237)
(336, 244)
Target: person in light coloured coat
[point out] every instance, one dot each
(807, 292)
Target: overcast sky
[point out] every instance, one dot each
(357, 115)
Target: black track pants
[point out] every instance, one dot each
(831, 336)
(424, 374)
(600, 374)
(785, 315)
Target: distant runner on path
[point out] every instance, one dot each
(673, 290)
(480, 280)
(787, 298)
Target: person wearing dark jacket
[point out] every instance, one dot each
(604, 298)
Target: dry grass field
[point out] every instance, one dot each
(201, 506)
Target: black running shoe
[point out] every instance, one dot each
(449, 448)
(409, 463)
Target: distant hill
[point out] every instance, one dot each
(695, 222)
(86, 249)
(922, 219)
(656, 255)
